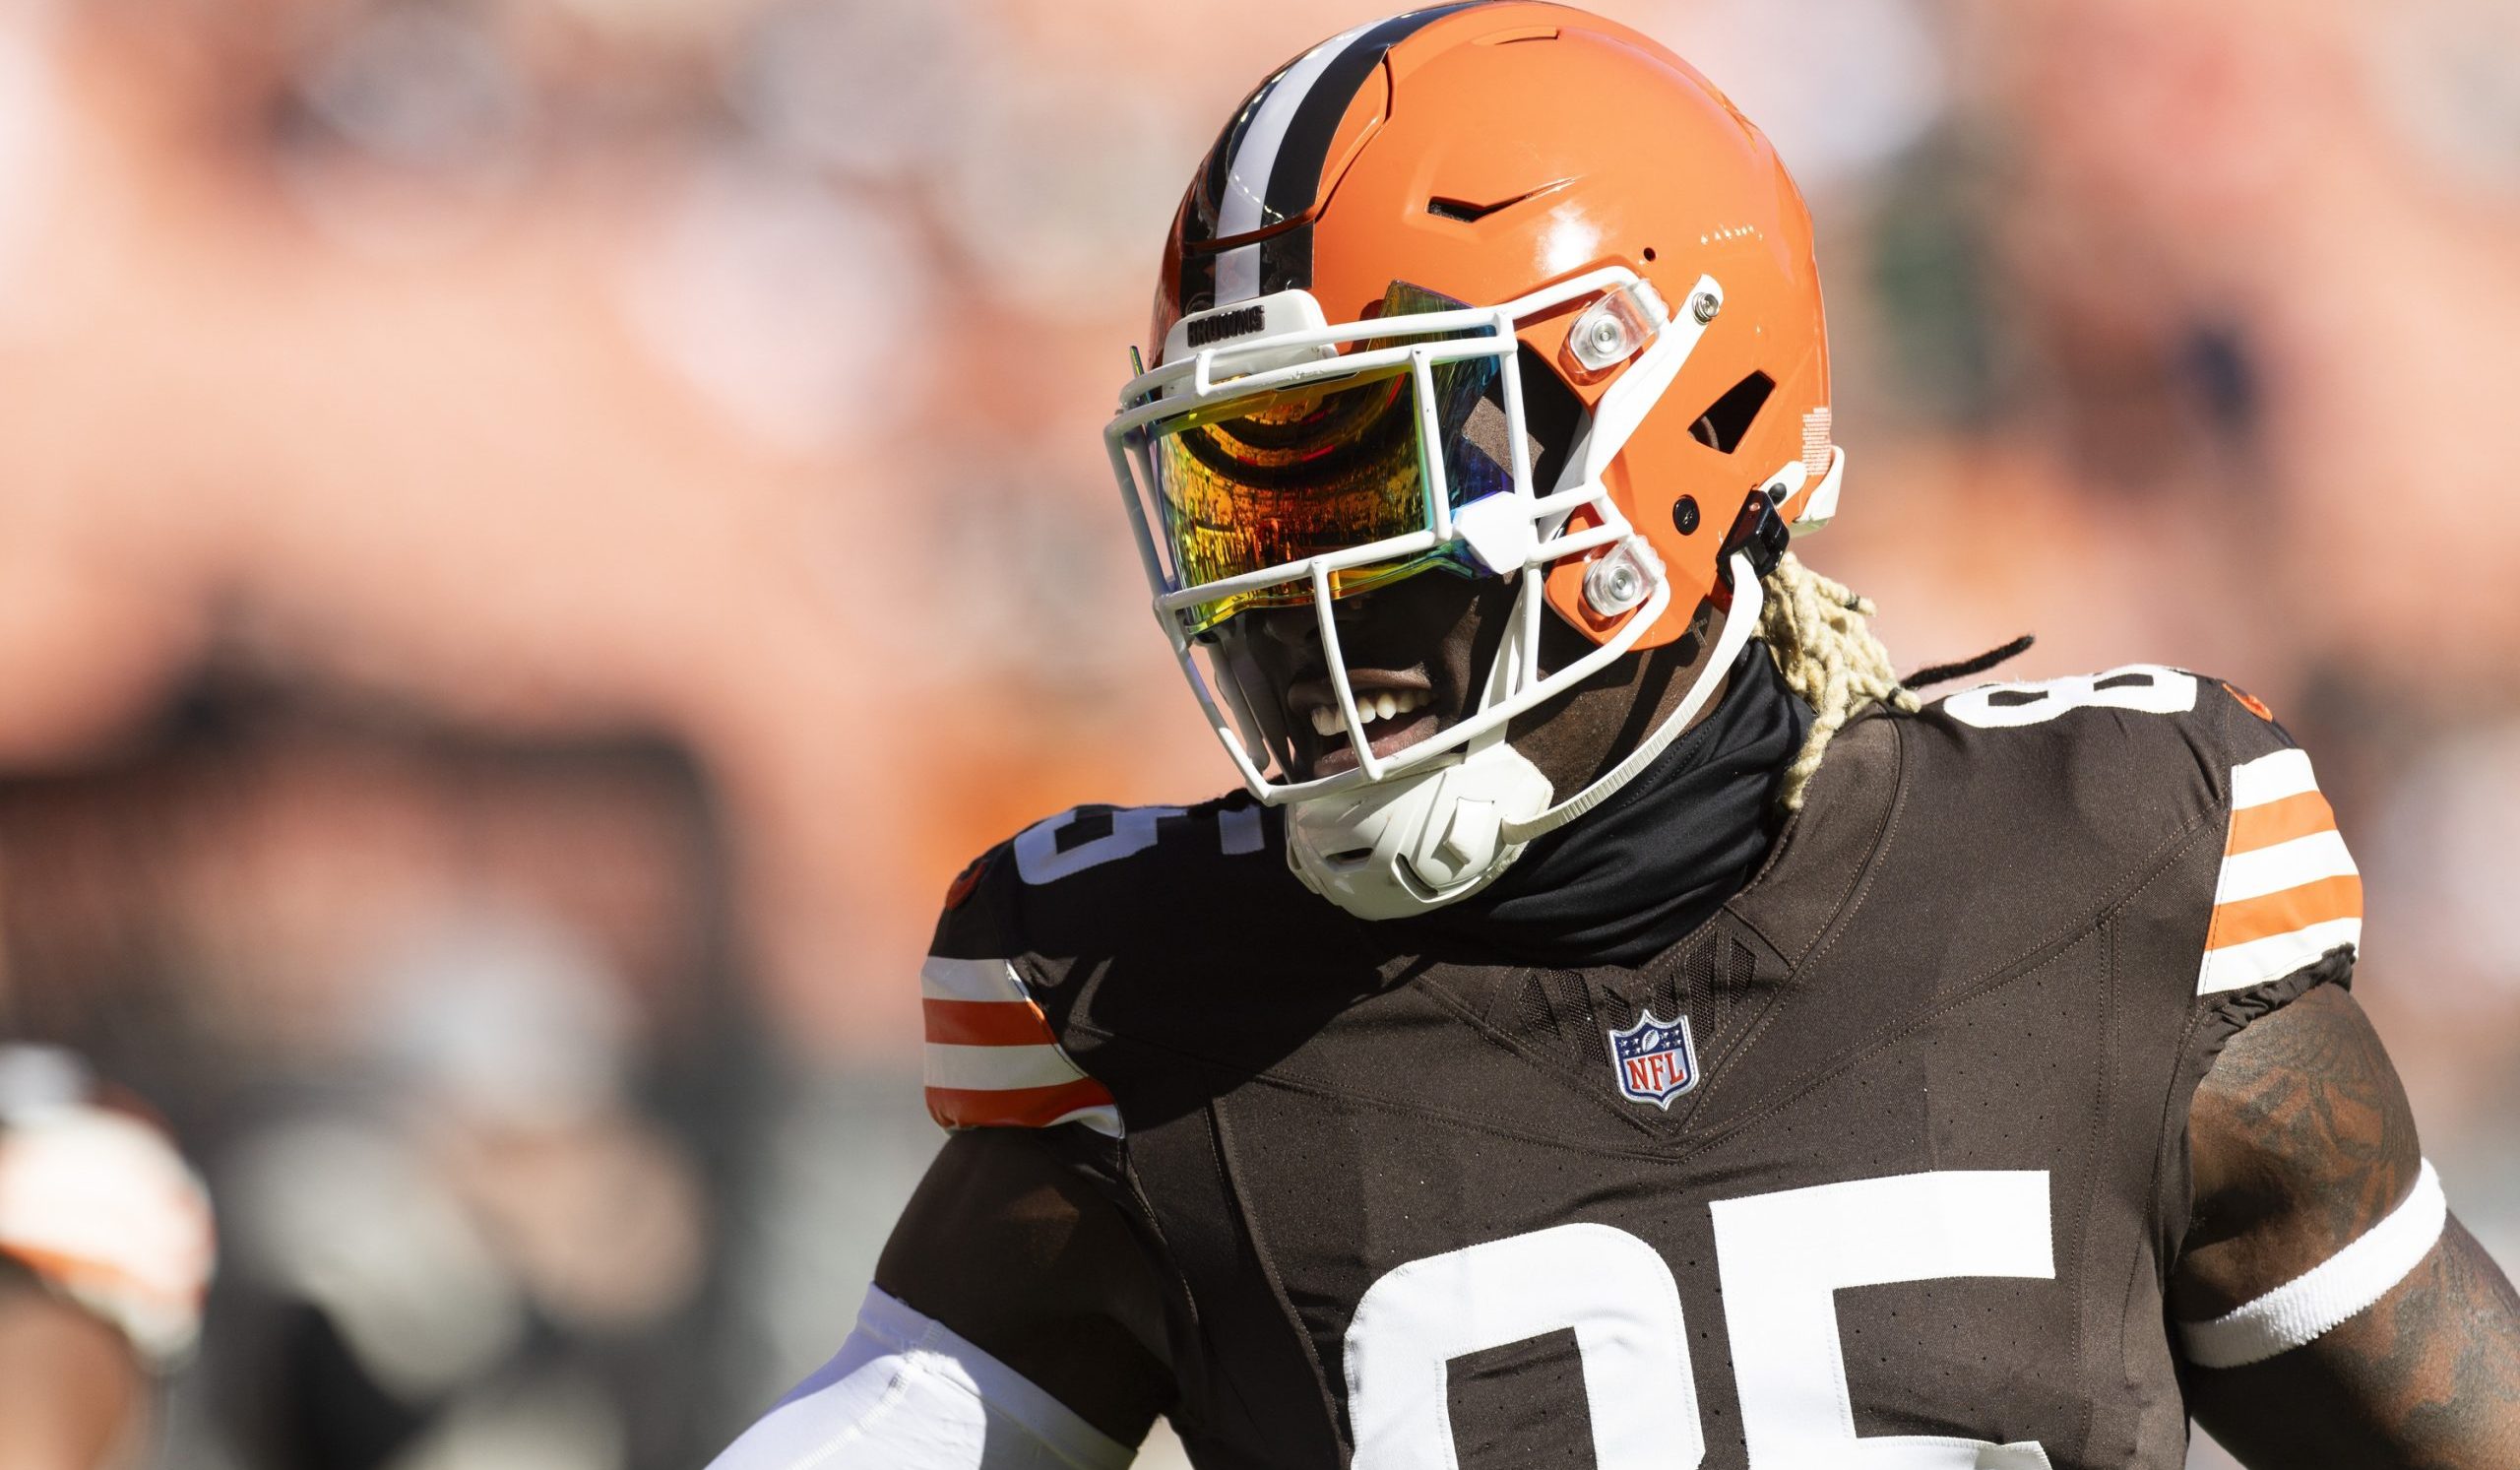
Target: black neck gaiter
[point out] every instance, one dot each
(1634, 875)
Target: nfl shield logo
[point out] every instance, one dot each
(1656, 1060)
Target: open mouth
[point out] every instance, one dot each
(1378, 709)
(1395, 717)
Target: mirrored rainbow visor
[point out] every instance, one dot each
(1284, 475)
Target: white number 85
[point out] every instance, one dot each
(1780, 1257)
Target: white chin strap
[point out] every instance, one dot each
(1407, 844)
(1412, 843)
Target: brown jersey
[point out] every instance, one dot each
(1882, 1166)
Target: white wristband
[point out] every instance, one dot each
(2330, 1291)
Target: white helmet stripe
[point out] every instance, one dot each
(1246, 175)
(1274, 152)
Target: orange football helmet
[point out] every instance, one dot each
(1502, 288)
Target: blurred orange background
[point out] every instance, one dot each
(620, 479)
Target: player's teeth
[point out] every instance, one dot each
(1384, 704)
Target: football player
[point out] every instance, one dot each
(1618, 1024)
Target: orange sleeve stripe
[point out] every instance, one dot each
(64, 1269)
(987, 1023)
(2283, 912)
(1014, 1108)
(2255, 827)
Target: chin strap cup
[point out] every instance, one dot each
(1416, 841)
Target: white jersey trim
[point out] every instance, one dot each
(941, 979)
(998, 1068)
(2323, 1298)
(2287, 864)
(2272, 778)
(2237, 967)
(905, 1392)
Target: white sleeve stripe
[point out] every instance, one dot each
(2329, 1293)
(998, 1069)
(2286, 865)
(2272, 778)
(2273, 956)
(1101, 1117)
(2235, 967)
(941, 979)
(906, 1393)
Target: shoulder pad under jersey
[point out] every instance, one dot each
(2135, 756)
(1085, 884)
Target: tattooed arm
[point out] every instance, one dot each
(2302, 1141)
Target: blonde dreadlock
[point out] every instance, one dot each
(1820, 635)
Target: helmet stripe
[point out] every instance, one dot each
(1281, 143)
(1295, 179)
(1200, 224)
(1243, 205)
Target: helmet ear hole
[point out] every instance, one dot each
(1728, 419)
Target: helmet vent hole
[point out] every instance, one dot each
(1726, 421)
(1471, 212)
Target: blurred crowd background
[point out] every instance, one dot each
(535, 535)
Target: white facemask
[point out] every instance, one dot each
(1413, 842)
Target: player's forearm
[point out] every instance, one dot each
(2428, 1376)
